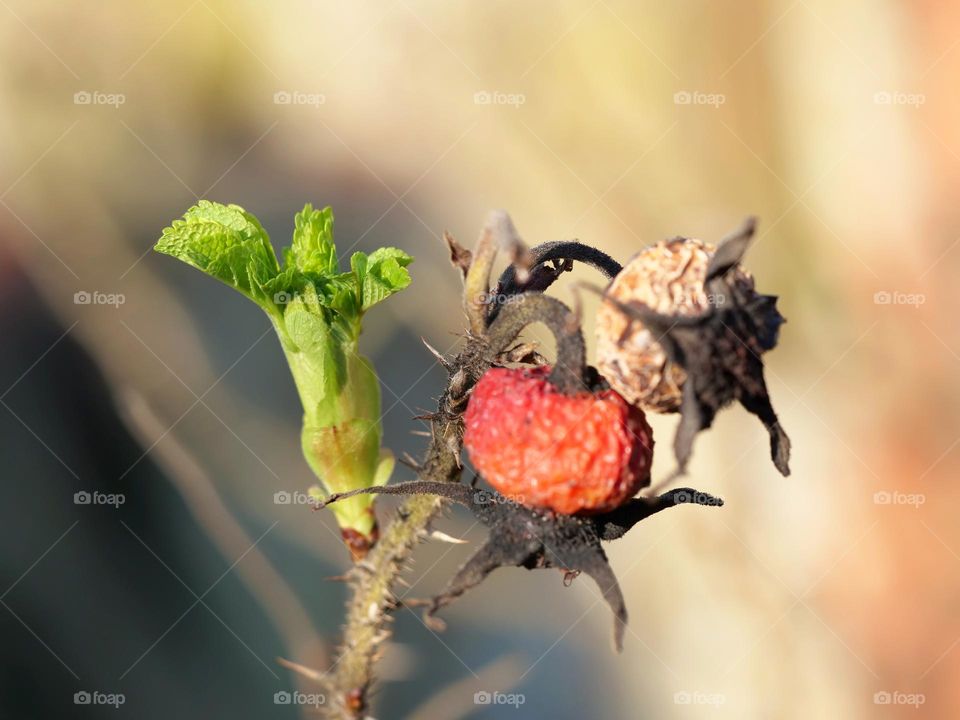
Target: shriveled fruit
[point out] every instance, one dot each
(668, 278)
(584, 452)
(682, 329)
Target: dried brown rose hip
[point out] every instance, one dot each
(682, 329)
(669, 279)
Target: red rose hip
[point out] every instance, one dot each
(572, 453)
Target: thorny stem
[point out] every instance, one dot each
(372, 580)
(491, 331)
(493, 327)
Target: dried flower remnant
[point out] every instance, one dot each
(525, 537)
(682, 329)
(669, 279)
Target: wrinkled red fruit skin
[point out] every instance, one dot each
(583, 453)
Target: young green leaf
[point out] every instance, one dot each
(226, 242)
(313, 251)
(380, 274)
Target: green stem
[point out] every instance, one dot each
(341, 431)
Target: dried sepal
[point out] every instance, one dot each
(460, 257)
(544, 264)
(524, 537)
(498, 234)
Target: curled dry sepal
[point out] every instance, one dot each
(565, 452)
(317, 311)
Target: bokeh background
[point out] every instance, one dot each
(832, 593)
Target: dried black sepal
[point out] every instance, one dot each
(524, 537)
(720, 350)
(543, 264)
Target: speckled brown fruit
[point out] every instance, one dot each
(669, 279)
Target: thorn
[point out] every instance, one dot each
(433, 622)
(454, 447)
(428, 416)
(458, 383)
(422, 433)
(417, 602)
(436, 353)
(410, 462)
(443, 537)
(365, 566)
(307, 672)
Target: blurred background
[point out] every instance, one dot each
(832, 593)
